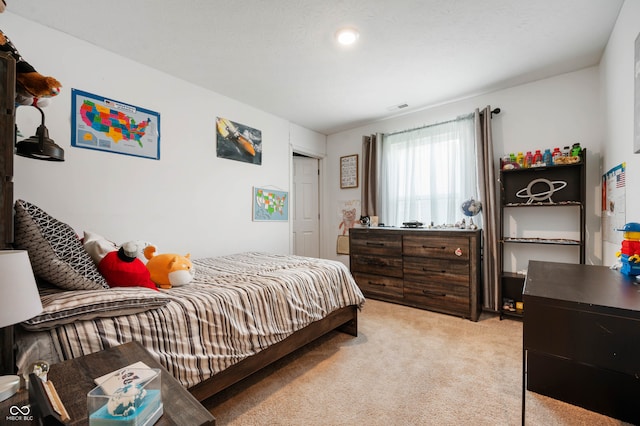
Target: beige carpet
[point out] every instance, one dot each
(406, 367)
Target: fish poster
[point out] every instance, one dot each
(235, 141)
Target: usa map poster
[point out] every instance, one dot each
(270, 205)
(106, 125)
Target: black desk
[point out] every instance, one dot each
(581, 337)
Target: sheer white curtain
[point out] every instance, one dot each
(427, 173)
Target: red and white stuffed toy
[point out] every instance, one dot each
(122, 268)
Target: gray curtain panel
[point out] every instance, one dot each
(370, 168)
(487, 191)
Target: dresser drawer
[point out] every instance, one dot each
(389, 266)
(374, 243)
(423, 269)
(440, 247)
(379, 285)
(438, 288)
(438, 296)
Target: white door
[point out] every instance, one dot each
(306, 211)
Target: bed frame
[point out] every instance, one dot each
(344, 319)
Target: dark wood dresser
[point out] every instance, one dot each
(581, 337)
(430, 269)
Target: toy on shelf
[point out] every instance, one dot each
(629, 254)
(32, 88)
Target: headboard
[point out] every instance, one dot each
(7, 141)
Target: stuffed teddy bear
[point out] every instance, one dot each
(168, 270)
(32, 88)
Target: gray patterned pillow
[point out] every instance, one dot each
(55, 251)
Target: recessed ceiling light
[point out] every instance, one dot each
(347, 36)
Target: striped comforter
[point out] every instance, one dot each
(236, 306)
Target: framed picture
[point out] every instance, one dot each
(235, 141)
(349, 171)
(270, 205)
(112, 126)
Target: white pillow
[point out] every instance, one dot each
(97, 246)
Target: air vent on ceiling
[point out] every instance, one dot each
(396, 107)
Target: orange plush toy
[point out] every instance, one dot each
(168, 270)
(32, 88)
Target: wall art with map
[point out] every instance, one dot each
(270, 205)
(106, 125)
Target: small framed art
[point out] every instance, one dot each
(270, 205)
(349, 171)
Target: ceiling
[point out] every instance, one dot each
(281, 56)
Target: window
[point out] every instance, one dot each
(427, 173)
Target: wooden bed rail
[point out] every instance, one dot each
(344, 319)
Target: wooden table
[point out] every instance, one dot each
(73, 379)
(581, 337)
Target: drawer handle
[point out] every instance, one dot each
(374, 244)
(433, 293)
(377, 284)
(425, 269)
(458, 252)
(375, 263)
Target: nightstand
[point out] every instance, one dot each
(73, 379)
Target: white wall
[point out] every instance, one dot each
(617, 72)
(190, 200)
(553, 112)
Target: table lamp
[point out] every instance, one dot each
(19, 301)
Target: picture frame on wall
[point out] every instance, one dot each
(349, 171)
(108, 125)
(270, 205)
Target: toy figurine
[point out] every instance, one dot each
(629, 254)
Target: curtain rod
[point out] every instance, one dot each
(460, 117)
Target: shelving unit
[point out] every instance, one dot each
(551, 200)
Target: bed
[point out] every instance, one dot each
(240, 313)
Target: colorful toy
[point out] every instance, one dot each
(32, 88)
(168, 270)
(629, 254)
(122, 268)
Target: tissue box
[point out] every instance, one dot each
(127, 397)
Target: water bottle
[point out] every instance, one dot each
(576, 150)
(537, 158)
(546, 157)
(520, 159)
(555, 154)
(528, 160)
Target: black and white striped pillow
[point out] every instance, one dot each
(55, 251)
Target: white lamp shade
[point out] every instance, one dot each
(19, 297)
